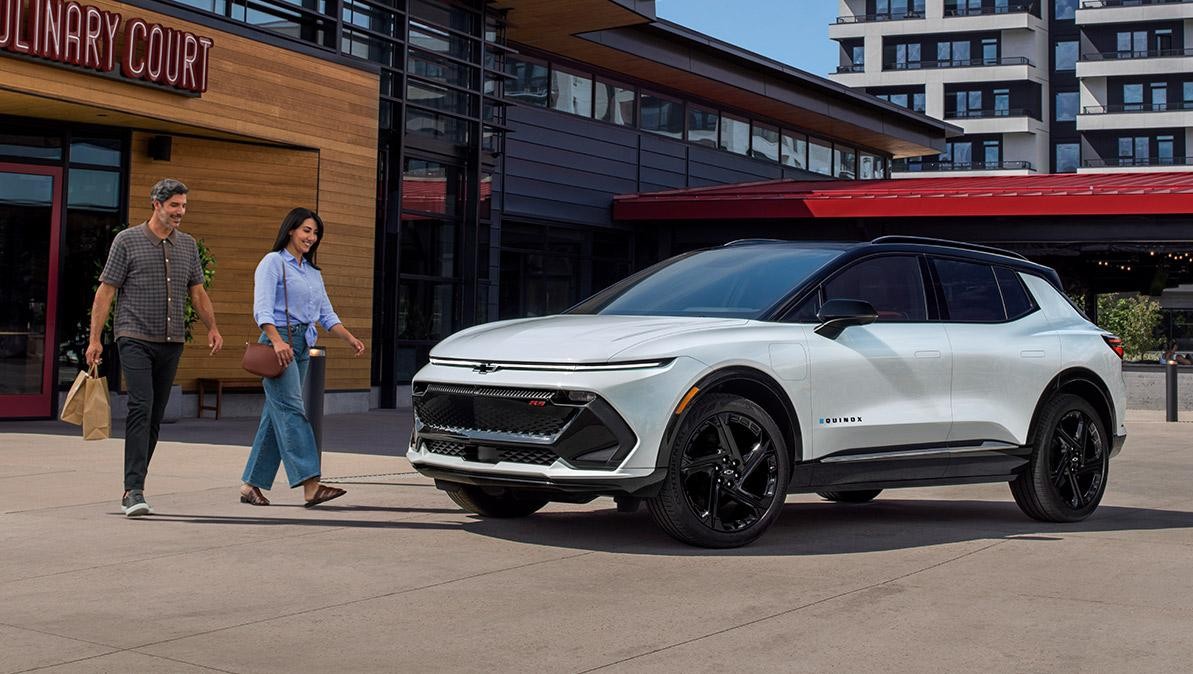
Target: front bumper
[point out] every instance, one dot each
(1116, 444)
(521, 425)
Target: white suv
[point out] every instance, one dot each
(716, 382)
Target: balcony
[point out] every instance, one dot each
(1137, 165)
(986, 11)
(960, 169)
(1094, 12)
(852, 68)
(1135, 116)
(1134, 62)
(959, 63)
(889, 16)
(1013, 120)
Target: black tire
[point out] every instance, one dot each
(727, 474)
(853, 496)
(1066, 475)
(503, 503)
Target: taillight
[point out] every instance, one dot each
(1115, 344)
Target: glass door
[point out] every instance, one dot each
(29, 235)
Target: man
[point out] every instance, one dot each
(151, 269)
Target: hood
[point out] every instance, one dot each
(570, 338)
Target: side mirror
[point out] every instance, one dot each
(836, 315)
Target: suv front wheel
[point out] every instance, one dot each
(1066, 475)
(727, 475)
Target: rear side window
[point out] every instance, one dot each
(1014, 295)
(893, 284)
(971, 292)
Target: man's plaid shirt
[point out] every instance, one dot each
(153, 277)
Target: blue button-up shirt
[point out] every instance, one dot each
(307, 295)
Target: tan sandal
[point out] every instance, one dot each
(323, 494)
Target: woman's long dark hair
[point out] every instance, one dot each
(293, 221)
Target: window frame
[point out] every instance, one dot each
(817, 293)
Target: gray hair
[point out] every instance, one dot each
(166, 188)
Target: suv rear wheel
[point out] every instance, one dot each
(1066, 476)
(497, 502)
(854, 496)
(727, 476)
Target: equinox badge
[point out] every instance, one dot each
(485, 368)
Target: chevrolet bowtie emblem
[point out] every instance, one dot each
(485, 368)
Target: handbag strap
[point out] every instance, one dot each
(286, 299)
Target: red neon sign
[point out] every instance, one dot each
(63, 31)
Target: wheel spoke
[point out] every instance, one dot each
(1067, 439)
(725, 433)
(1078, 499)
(714, 498)
(699, 464)
(1082, 434)
(738, 494)
(1061, 475)
(754, 459)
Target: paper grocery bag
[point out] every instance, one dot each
(72, 409)
(97, 410)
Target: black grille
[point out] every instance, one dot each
(492, 410)
(532, 455)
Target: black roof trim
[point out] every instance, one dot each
(927, 241)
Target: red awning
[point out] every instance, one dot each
(1038, 195)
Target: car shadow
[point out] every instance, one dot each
(803, 529)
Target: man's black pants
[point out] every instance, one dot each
(149, 369)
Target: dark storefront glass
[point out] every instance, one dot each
(703, 124)
(529, 83)
(661, 115)
(820, 156)
(30, 146)
(614, 103)
(26, 209)
(543, 268)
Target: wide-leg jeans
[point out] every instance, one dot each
(149, 369)
(284, 435)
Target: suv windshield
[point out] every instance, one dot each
(732, 282)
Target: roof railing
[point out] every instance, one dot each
(928, 241)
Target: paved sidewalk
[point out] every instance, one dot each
(393, 577)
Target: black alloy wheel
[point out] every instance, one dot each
(728, 474)
(1066, 476)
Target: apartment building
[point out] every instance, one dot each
(1043, 86)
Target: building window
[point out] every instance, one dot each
(1065, 55)
(907, 56)
(872, 167)
(764, 142)
(858, 55)
(735, 134)
(1131, 44)
(992, 153)
(1164, 150)
(820, 156)
(990, 51)
(1159, 96)
(794, 150)
(1002, 102)
(571, 92)
(661, 115)
(845, 162)
(528, 85)
(968, 104)
(1133, 151)
(953, 53)
(1065, 9)
(1066, 106)
(614, 103)
(1187, 95)
(1132, 97)
(703, 125)
(1068, 157)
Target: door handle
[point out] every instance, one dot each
(927, 354)
(1031, 353)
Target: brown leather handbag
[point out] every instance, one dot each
(261, 359)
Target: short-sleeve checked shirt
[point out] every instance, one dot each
(153, 277)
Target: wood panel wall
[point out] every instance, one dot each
(310, 132)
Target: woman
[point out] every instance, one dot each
(289, 289)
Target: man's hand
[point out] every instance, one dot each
(215, 341)
(94, 351)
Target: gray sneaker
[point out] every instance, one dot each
(134, 504)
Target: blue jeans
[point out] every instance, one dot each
(284, 435)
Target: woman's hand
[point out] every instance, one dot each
(358, 347)
(284, 353)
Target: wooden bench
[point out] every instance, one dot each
(218, 386)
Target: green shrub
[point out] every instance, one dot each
(1135, 319)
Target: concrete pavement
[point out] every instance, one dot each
(392, 577)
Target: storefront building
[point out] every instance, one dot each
(465, 156)
(97, 102)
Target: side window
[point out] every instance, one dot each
(1014, 295)
(893, 284)
(970, 291)
(806, 311)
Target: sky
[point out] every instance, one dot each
(792, 31)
